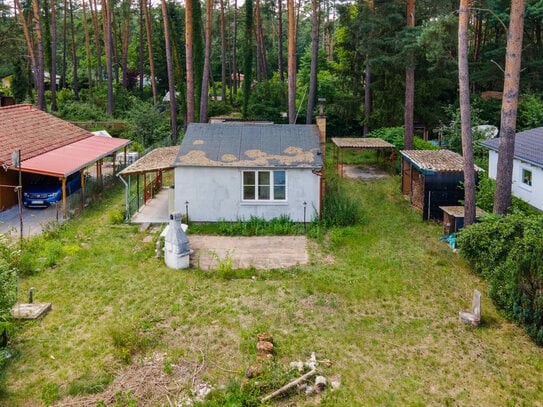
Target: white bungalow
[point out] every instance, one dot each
(235, 171)
(527, 165)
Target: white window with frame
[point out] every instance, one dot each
(264, 185)
(526, 177)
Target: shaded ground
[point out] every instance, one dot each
(364, 172)
(260, 252)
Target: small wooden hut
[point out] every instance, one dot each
(432, 178)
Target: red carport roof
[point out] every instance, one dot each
(68, 159)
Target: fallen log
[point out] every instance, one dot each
(289, 385)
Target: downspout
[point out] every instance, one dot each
(321, 124)
(126, 197)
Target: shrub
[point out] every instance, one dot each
(8, 287)
(128, 340)
(527, 301)
(81, 112)
(339, 208)
(116, 216)
(256, 226)
(508, 252)
(487, 244)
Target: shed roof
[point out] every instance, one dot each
(34, 132)
(458, 211)
(432, 161)
(251, 145)
(362, 143)
(156, 160)
(528, 146)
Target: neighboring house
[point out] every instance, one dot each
(527, 165)
(235, 171)
(48, 146)
(432, 178)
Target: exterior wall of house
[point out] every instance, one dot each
(215, 193)
(531, 194)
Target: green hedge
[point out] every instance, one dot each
(508, 252)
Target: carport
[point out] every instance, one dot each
(48, 146)
(64, 161)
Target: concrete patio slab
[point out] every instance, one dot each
(260, 252)
(157, 209)
(30, 311)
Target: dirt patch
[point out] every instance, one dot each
(260, 252)
(152, 382)
(364, 172)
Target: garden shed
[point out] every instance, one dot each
(237, 171)
(432, 178)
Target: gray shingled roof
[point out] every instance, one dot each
(250, 145)
(528, 146)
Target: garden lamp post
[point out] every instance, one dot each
(305, 207)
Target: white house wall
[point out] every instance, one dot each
(214, 193)
(532, 195)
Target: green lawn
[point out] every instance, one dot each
(380, 300)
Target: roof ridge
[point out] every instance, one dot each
(27, 106)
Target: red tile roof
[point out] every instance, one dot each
(34, 132)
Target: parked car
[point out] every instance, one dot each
(40, 191)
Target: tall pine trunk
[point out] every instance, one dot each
(261, 49)
(248, 58)
(409, 85)
(53, 56)
(39, 68)
(189, 62)
(223, 54)
(94, 16)
(125, 40)
(291, 62)
(465, 114)
(506, 149)
(280, 39)
(106, 21)
(150, 50)
(314, 61)
(169, 65)
(64, 44)
(234, 50)
(87, 47)
(74, 54)
(141, 47)
(204, 95)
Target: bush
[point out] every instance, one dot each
(8, 288)
(116, 216)
(255, 226)
(78, 111)
(508, 252)
(339, 208)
